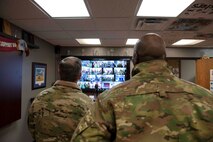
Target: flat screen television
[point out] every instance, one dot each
(103, 73)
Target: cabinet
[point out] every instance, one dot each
(10, 87)
(203, 67)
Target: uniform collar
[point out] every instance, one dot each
(67, 84)
(151, 67)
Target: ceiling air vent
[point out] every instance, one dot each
(150, 23)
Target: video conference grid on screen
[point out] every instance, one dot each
(102, 74)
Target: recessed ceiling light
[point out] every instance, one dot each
(131, 41)
(93, 41)
(64, 8)
(188, 42)
(163, 8)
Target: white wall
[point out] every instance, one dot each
(188, 53)
(18, 131)
(188, 70)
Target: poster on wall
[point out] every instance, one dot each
(39, 71)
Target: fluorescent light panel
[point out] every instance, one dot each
(163, 8)
(64, 8)
(131, 41)
(93, 41)
(188, 42)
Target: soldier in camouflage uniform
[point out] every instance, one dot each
(153, 106)
(56, 112)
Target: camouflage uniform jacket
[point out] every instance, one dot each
(56, 112)
(153, 106)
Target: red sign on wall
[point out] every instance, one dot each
(7, 44)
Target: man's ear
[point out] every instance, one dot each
(79, 77)
(59, 72)
(135, 59)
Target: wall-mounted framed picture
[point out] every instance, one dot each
(39, 75)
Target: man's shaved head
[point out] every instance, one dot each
(70, 69)
(150, 46)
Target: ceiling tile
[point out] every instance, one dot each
(112, 8)
(207, 43)
(98, 34)
(112, 23)
(207, 29)
(37, 25)
(172, 36)
(83, 34)
(76, 24)
(20, 9)
(204, 36)
(138, 34)
(64, 42)
(53, 35)
(113, 42)
(112, 34)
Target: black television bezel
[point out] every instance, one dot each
(101, 58)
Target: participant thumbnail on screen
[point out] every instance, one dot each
(120, 71)
(107, 77)
(86, 63)
(107, 85)
(107, 71)
(97, 64)
(94, 78)
(120, 78)
(84, 77)
(95, 70)
(107, 64)
(121, 64)
(85, 70)
(84, 84)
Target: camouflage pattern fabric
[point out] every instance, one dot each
(153, 106)
(56, 112)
